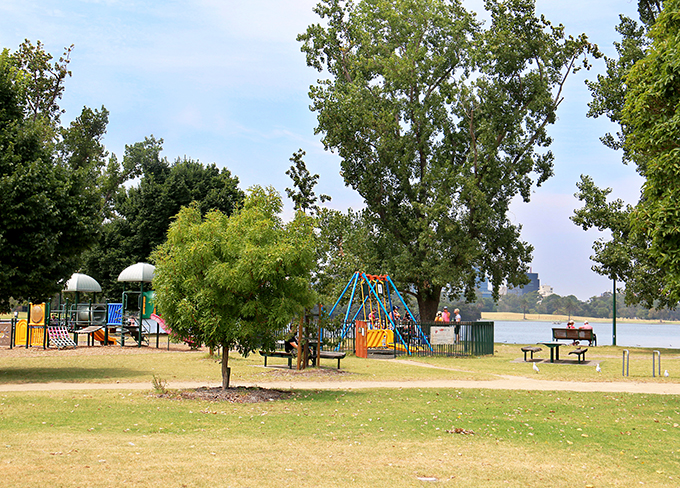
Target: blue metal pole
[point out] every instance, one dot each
(370, 287)
(409, 312)
(330, 314)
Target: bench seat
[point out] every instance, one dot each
(532, 350)
(277, 354)
(580, 352)
(575, 335)
(333, 355)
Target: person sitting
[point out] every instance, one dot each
(586, 325)
(394, 315)
(290, 342)
(570, 325)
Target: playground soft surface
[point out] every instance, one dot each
(360, 437)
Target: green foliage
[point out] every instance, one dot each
(48, 195)
(439, 121)
(234, 282)
(641, 92)
(138, 217)
(303, 195)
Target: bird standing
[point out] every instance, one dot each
(535, 367)
(597, 368)
(665, 373)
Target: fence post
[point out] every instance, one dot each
(626, 362)
(654, 353)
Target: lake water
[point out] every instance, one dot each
(628, 334)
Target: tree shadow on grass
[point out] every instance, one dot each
(74, 374)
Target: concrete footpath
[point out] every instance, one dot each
(502, 383)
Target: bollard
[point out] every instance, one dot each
(626, 363)
(654, 353)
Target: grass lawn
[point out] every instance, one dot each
(382, 438)
(359, 438)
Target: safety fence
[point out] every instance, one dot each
(436, 339)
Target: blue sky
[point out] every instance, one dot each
(225, 82)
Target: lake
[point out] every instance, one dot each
(628, 334)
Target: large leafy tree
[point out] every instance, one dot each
(49, 199)
(138, 216)
(235, 281)
(440, 122)
(640, 92)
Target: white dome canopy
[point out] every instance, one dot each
(138, 272)
(82, 282)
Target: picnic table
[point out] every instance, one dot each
(554, 346)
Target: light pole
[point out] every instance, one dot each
(614, 315)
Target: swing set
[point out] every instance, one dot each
(378, 310)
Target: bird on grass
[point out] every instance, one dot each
(665, 373)
(597, 368)
(535, 367)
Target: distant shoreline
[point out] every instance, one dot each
(519, 317)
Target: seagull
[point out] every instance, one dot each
(597, 368)
(665, 373)
(535, 367)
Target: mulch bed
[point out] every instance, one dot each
(238, 394)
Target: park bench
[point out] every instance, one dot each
(532, 350)
(277, 354)
(575, 335)
(332, 355)
(580, 352)
(282, 354)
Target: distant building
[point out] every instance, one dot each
(484, 288)
(545, 291)
(534, 285)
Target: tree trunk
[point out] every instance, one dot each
(226, 370)
(428, 301)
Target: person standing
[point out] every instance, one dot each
(457, 320)
(446, 315)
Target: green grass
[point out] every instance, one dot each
(359, 438)
(382, 438)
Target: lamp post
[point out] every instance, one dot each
(614, 315)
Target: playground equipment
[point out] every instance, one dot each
(47, 326)
(141, 273)
(376, 309)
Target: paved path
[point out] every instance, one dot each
(503, 383)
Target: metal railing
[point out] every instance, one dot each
(472, 339)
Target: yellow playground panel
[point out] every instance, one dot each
(35, 323)
(380, 338)
(36, 337)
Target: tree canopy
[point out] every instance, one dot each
(48, 173)
(641, 92)
(139, 214)
(235, 281)
(440, 121)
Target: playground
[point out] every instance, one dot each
(62, 324)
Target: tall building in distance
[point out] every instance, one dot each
(534, 285)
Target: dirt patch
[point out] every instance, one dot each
(239, 394)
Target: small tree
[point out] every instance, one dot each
(234, 282)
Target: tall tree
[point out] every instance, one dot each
(640, 93)
(49, 201)
(438, 121)
(235, 282)
(303, 195)
(139, 216)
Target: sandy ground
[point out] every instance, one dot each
(503, 382)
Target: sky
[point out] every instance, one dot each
(224, 82)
